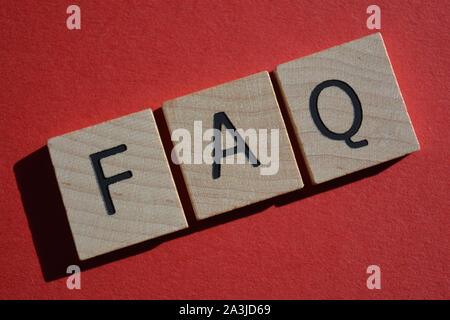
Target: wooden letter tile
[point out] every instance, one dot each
(247, 103)
(116, 184)
(347, 108)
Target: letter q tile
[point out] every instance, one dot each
(347, 109)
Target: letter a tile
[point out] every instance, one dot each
(116, 184)
(261, 166)
(347, 108)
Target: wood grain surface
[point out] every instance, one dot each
(249, 103)
(146, 205)
(364, 65)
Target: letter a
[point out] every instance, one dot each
(374, 21)
(74, 20)
(74, 281)
(374, 281)
(220, 118)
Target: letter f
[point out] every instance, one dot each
(104, 182)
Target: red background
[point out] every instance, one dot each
(131, 55)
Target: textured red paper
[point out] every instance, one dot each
(131, 55)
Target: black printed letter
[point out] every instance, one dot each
(104, 182)
(357, 120)
(220, 118)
